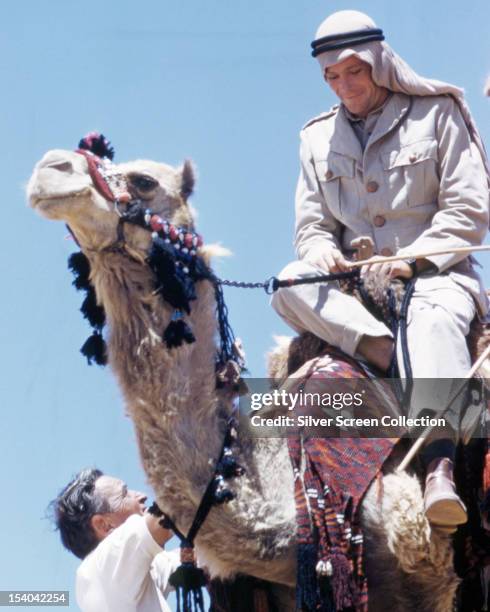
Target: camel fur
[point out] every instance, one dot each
(178, 415)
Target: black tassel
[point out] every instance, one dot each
(95, 349)
(80, 266)
(178, 332)
(326, 595)
(94, 313)
(306, 579)
(174, 285)
(200, 270)
(97, 144)
(188, 581)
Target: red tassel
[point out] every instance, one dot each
(342, 581)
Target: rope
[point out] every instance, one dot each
(271, 285)
(402, 322)
(244, 285)
(399, 331)
(227, 351)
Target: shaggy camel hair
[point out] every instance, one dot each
(171, 398)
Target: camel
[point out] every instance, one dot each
(178, 415)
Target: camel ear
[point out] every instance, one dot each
(188, 179)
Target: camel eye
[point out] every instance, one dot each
(143, 183)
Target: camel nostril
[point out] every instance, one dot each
(62, 161)
(61, 165)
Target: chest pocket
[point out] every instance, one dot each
(412, 174)
(336, 175)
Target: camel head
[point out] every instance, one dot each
(89, 193)
(135, 229)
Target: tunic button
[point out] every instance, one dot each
(372, 187)
(386, 252)
(379, 221)
(329, 175)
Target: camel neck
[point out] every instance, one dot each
(170, 394)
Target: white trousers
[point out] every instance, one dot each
(439, 318)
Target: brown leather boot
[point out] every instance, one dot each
(443, 507)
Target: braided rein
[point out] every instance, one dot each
(272, 284)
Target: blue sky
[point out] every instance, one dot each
(227, 84)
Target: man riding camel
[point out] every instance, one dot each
(399, 160)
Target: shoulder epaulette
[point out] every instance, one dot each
(323, 116)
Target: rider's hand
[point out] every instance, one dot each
(327, 259)
(391, 269)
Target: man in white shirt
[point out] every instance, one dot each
(107, 525)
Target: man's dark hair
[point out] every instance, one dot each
(74, 507)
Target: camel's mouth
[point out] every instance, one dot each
(44, 202)
(59, 178)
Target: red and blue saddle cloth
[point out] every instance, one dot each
(329, 487)
(332, 476)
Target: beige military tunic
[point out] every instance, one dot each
(417, 185)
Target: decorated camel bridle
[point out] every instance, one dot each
(173, 257)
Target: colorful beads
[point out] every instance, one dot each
(156, 223)
(184, 241)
